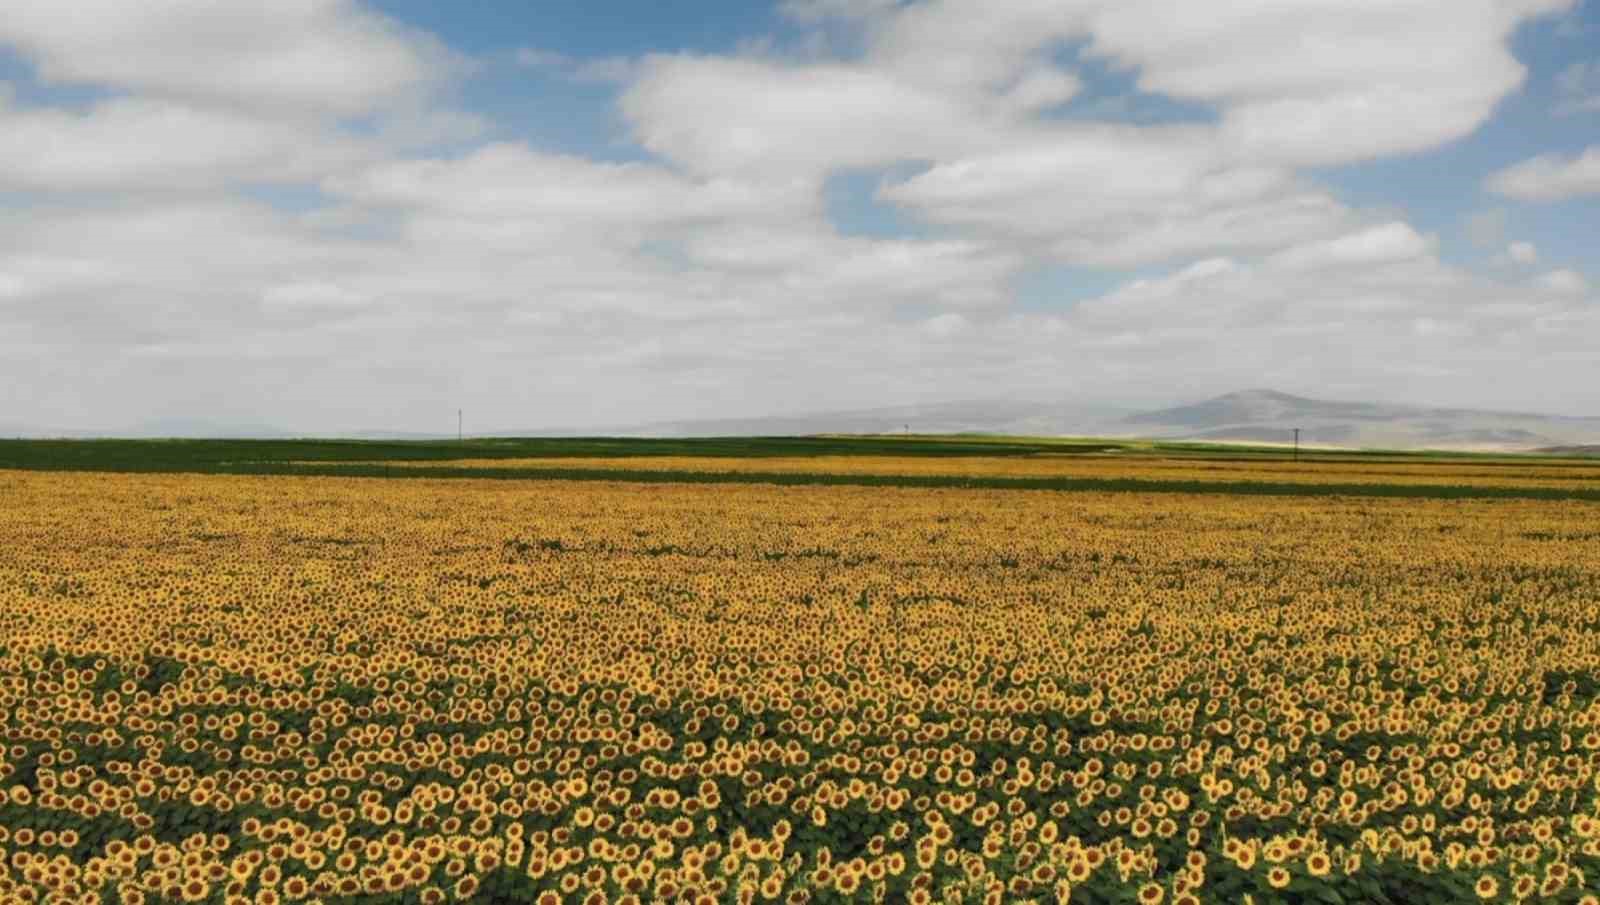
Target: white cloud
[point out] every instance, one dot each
(1144, 303)
(202, 96)
(38, 274)
(1395, 241)
(319, 56)
(546, 289)
(1105, 162)
(947, 325)
(375, 331)
(1320, 81)
(1121, 196)
(1567, 282)
(1550, 177)
(1362, 321)
(722, 115)
(957, 86)
(291, 296)
(1523, 252)
(507, 197)
(1041, 87)
(140, 145)
(817, 270)
(185, 268)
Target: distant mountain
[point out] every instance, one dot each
(1249, 416)
(1592, 449)
(1270, 416)
(985, 417)
(1256, 406)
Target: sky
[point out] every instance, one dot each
(352, 215)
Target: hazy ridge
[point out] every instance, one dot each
(1255, 416)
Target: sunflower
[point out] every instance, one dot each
(1487, 887)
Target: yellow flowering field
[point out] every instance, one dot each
(299, 689)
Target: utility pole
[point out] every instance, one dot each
(459, 437)
(1297, 444)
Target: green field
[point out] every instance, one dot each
(371, 459)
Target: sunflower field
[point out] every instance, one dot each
(224, 688)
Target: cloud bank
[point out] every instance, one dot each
(282, 214)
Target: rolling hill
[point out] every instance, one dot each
(1249, 416)
(1268, 416)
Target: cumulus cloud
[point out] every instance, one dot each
(1550, 177)
(712, 277)
(141, 144)
(312, 295)
(1324, 82)
(1362, 320)
(317, 56)
(726, 115)
(1117, 196)
(1566, 282)
(197, 96)
(1389, 242)
(958, 87)
(946, 325)
(511, 181)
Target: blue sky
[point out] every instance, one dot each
(344, 214)
(1439, 189)
(1436, 189)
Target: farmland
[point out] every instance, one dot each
(899, 672)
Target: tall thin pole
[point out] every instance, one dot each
(458, 426)
(1297, 444)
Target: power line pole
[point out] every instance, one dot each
(1297, 444)
(459, 436)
